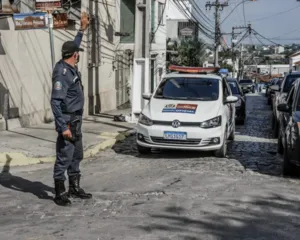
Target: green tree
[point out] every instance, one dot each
(190, 52)
(227, 66)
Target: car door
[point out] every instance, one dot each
(287, 120)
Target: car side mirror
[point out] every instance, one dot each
(283, 107)
(275, 88)
(231, 99)
(147, 96)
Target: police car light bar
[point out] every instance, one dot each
(183, 69)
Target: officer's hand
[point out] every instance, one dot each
(67, 134)
(84, 23)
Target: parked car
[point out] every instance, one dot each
(269, 91)
(247, 85)
(282, 90)
(188, 111)
(271, 95)
(289, 136)
(240, 106)
(268, 86)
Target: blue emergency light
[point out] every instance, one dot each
(224, 71)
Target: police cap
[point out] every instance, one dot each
(69, 48)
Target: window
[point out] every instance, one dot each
(290, 79)
(201, 89)
(127, 20)
(234, 87)
(152, 16)
(160, 17)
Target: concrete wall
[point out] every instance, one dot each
(159, 47)
(25, 68)
(172, 29)
(123, 64)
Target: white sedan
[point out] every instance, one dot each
(188, 112)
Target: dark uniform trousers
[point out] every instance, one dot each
(68, 155)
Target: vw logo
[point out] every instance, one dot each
(175, 124)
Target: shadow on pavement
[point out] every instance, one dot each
(271, 216)
(16, 183)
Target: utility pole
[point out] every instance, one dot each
(234, 42)
(218, 7)
(50, 27)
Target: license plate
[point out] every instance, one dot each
(175, 135)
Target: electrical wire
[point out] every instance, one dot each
(259, 40)
(233, 10)
(200, 26)
(242, 38)
(201, 13)
(204, 27)
(266, 38)
(275, 15)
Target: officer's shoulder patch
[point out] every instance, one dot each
(57, 85)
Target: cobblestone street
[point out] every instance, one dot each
(165, 195)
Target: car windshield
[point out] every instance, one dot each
(234, 87)
(203, 89)
(290, 79)
(246, 81)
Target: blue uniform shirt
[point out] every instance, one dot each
(67, 91)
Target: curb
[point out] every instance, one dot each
(21, 159)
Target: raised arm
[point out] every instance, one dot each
(84, 23)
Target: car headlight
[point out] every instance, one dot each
(238, 103)
(214, 122)
(145, 120)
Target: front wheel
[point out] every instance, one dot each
(276, 128)
(221, 153)
(232, 134)
(273, 122)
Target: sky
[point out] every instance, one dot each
(277, 19)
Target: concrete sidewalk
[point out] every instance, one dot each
(36, 144)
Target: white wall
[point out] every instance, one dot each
(124, 69)
(26, 67)
(293, 60)
(26, 70)
(159, 46)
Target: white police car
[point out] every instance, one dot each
(190, 110)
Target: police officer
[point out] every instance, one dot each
(67, 102)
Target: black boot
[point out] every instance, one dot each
(75, 190)
(61, 197)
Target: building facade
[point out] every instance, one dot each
(106, 65)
